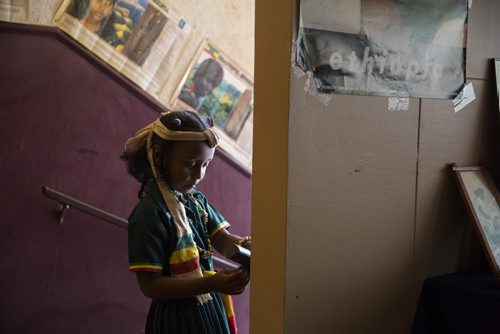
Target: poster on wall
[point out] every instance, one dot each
(14, 10)
(390, 48)
(139, 38)
(214, 85)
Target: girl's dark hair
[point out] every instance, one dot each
(137, 161)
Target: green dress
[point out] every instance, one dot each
(151, 241)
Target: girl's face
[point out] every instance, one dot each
(186, 164)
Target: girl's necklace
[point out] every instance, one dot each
(205, 253)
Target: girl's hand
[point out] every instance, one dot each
(248, 245)
(231, 281)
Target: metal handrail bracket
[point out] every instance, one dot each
(68, 202)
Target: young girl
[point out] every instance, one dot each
(173, 229)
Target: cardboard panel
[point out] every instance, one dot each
(483, 41)
(352, 174)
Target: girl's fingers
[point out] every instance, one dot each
(236, 274)
(236, 280)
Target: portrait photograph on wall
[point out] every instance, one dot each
(215, 86)
(138, 38)
(481, 198)
(387, 48)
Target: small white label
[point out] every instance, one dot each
(465, 97)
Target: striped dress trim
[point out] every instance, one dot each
(145, 267)
(222, 226)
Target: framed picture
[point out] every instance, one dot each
(496, 61)
(214, 85)
(141, 39)
(481, 197)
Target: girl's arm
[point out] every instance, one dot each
(223, 239)
(156, 286)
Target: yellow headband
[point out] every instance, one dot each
(142, 136)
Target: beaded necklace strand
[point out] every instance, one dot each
(204, 219)
(204, 253)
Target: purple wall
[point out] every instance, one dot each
(64, 119)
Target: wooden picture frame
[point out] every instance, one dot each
(215, 85)
(481, 198)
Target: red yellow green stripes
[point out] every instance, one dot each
(185, 258)
(228, 305)
(227, 300)
(145, 267)
(211, 50)
(185, 266)
(231, 321)
(222, 226)
(184, 254)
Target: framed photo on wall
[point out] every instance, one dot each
(141, 39)
(481, 198)
(216, 86)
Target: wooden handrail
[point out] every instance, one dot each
(68, 201)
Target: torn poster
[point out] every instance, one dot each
(404, 48)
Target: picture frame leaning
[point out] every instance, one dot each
(481, 198)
